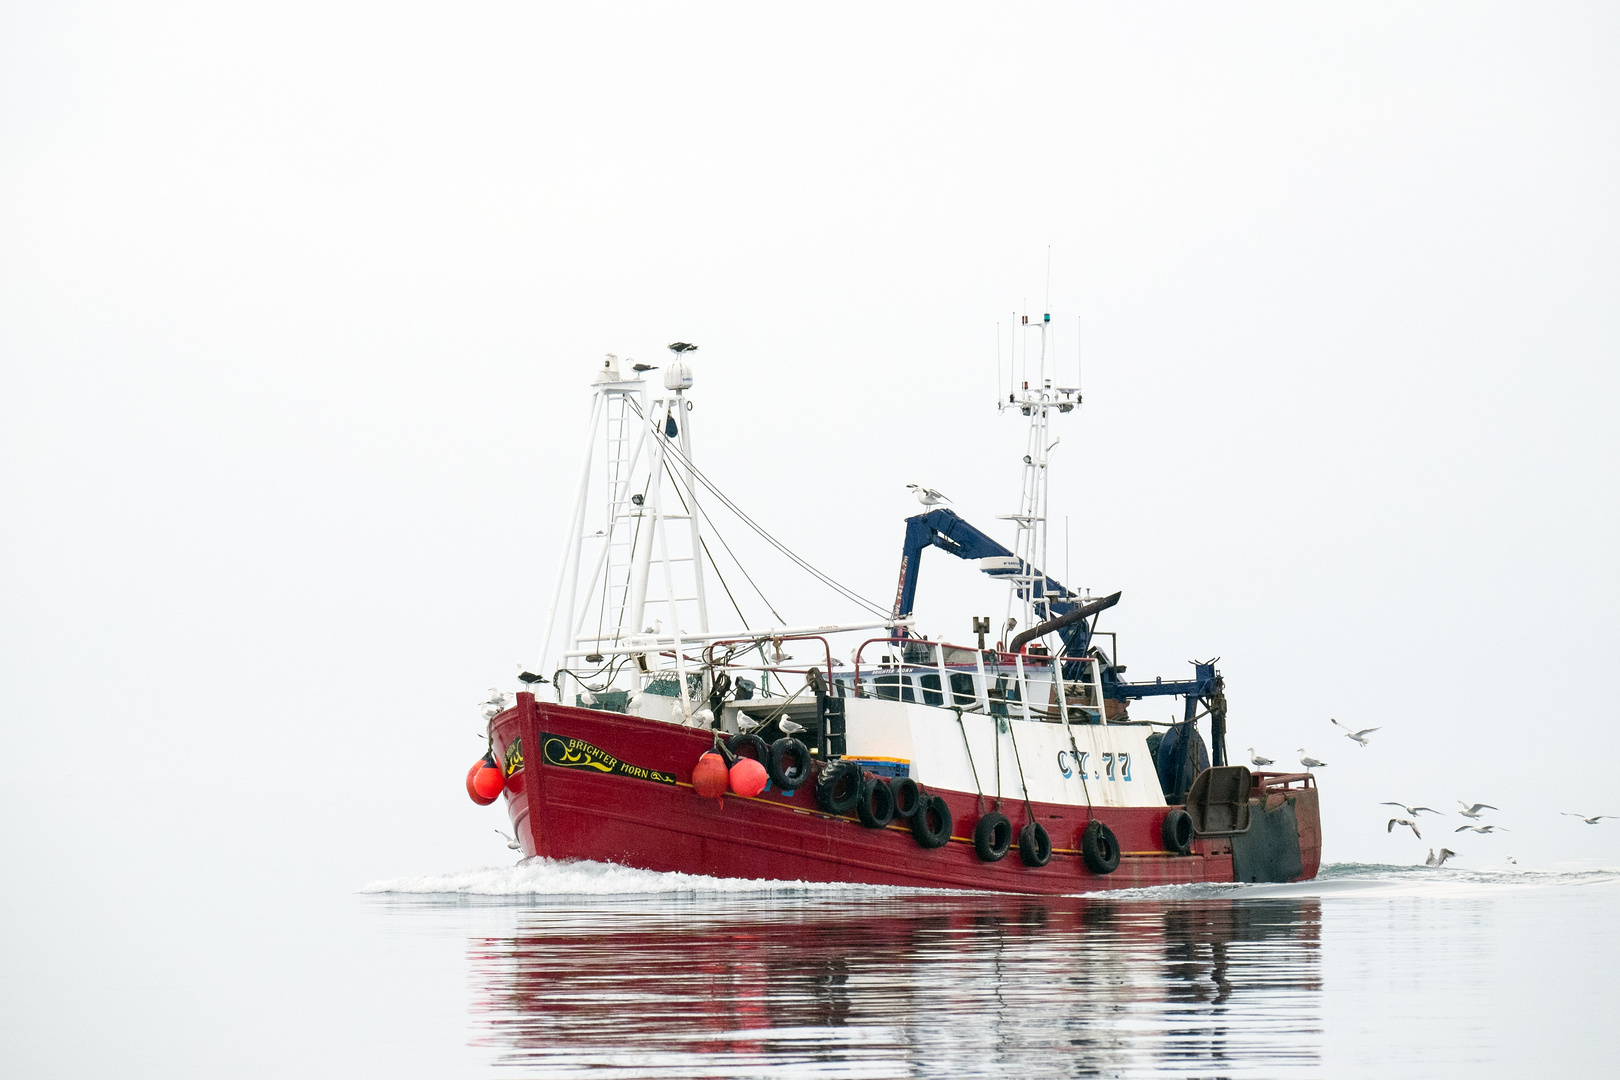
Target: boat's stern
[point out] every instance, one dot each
(1284, 839)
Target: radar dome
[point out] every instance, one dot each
(678, 376)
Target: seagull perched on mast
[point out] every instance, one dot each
(1258, 760)
(1402, 821)
(1310, 762)
(1593, 820)
(1473, 811)
(926, 495)
(1357, 736)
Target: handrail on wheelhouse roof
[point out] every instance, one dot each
(1003, 658)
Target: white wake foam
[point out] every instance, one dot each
(1370, 880)
(553, 878)
(549, 877)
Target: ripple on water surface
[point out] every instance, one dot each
(607, 971)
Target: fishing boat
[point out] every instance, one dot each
(858, 751)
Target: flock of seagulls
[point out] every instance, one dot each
(1466, 809)
(1410, 816)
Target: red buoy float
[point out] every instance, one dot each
(484, 781)
(748, 777)
(709, 777)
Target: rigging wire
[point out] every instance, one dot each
(843, 590)
(681, 495)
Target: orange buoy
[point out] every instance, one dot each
(472, 790)
(709, 778)
(484, 781)
(748, 777)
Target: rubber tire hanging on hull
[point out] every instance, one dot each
(839, 787)
(751, 746)
(876, 805)
(1034, 846)
(788, 764)
(907, 797)
(992, 836)
(1177, 832)
(1100, 848)
(931, 824)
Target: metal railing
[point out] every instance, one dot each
(991, 681)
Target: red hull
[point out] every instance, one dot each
(626, 797)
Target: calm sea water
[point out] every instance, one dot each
(547, 970)
(1371, 970)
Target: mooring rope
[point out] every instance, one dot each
(969, 748)
(1013, 735)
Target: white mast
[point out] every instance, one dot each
(1035, 398)
(612, 604)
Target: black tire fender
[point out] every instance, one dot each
(1100, 848)
(907, 797)
(838, 788)
(931, 824)
(1177, 832)
(1034, 845)
(992, 836)
(751, 746)
(788, 763)
(876, 805)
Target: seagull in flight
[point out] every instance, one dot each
(1411, 811)
(926, 495)
(1310, 762)
(1357, 736)
(1593, 820)
(1445, 853)
(1480, 828)
(511, 842)
(1473, 811)
(1258, 760)
(1409, 824)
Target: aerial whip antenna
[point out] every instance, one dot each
(1048, 306)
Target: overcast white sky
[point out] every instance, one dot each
(299, 303)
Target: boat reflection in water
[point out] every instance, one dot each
(905, 985)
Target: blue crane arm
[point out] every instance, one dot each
(945, 530)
